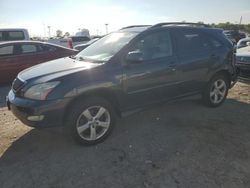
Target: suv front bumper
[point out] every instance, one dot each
(37, 113)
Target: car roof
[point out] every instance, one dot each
(32, 42)
(141, 28)
(135, 28)
(23, 41)
(13, 29)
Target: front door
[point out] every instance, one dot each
(155, 76)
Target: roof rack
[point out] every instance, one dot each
(180, 23)
(131, 26)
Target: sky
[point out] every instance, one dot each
(71, 15)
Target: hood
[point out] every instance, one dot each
(62, 66)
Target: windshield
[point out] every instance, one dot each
(106, 47)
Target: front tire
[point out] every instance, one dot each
(91, 121)
(216, 91)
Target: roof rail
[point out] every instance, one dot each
(180, 23)
(131, 26)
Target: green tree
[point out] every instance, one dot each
(66, 34)
(231, 26)
(59, 33)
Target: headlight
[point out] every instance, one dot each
(40, 91)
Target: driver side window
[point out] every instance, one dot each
(154, 46)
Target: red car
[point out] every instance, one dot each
(19, 55)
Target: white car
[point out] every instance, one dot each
(70, 42)
(80, 37)
(14, 34)
(243, 43)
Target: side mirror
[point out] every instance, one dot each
(134, 57)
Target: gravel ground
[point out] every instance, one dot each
(182, 144)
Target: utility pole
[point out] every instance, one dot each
(106, 25)
(49, 27)
(240, 20)
(44, 30)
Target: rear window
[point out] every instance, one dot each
(190, 40)
(46, 48)
(11, 35)
(16, 35)
(6, 50)
(80, 39)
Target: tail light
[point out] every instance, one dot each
(70, 43)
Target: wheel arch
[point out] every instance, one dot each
(224, 73)
(104, 93)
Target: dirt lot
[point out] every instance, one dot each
(182, 144)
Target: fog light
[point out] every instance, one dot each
(35, 118)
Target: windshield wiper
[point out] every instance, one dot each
(72, 57)
(81, 58)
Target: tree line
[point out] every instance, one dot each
(231, 26)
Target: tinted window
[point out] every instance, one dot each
(11, 35)
(190, 40)
(156, 45)
(80, 39)
(6, 50)
(215, 43)
(28, 48)
(16, 35)
(46, 48)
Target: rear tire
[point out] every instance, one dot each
(216, 91)
(90, 121)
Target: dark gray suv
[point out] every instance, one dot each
(125, 70)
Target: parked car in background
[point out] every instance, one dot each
(13, 34)
(243, 42)
(231, 38)
(18, 55)
(243, 61)
(69, 42)
(234, 36)
(80, 47)
(123, 71)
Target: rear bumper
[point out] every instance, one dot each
(51, 112)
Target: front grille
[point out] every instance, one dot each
(17, 84)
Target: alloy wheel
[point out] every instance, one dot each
(93, 123)
(218, 91)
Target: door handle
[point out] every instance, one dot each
(172, 65)
(213, 56)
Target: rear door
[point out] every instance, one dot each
(194, 56)
(155, 78)
(25, 56)
(19, 56)
(46, 53)
(8, 63)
